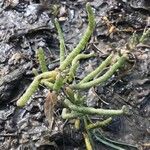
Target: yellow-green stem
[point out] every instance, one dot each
(46, 83)
(94, 111)
(104, 77)
(41, 59)
(34, 86)
(87, 142)
(99, 124)
(61, 41)
(71, 115)
(74, 64)
(99, 69)
(83, 41)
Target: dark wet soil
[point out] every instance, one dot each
(27, 25)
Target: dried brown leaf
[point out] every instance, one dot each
(50, 102)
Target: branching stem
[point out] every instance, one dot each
(94, 111)
(75, 63)
(72, 115)
(48, 84)
(34, 86)
(104, 77)
(104, 64)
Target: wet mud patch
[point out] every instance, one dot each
(24, 27)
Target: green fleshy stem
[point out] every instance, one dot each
(75, 63)
(145, 36)
(70, 94)
(88, 132)
(72, 72)
(99, 124)
(46, 83)
(94, 111)
(104, 77)
(133, 41)
(72, 115)
(61, 41)
(41, 59)
(87, 141)
(83, 41)
(98, 70)
(34, 71)
(58, 82)
(34, 86)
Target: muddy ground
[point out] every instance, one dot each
(27, 25)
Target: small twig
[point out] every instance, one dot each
(146, 145)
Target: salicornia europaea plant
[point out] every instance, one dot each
(62, 79)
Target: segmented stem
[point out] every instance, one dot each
(87, 142)
(70, 94)
(145, 36)
(71, 115)
(99, 124)
(58, 82)
(31, 89)
(75, 63)
(61, 41)
(46, 83)
(97, 70)
(94, 111)
(104, 77)
(83, 41)
(41, 59)
(34, 86)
